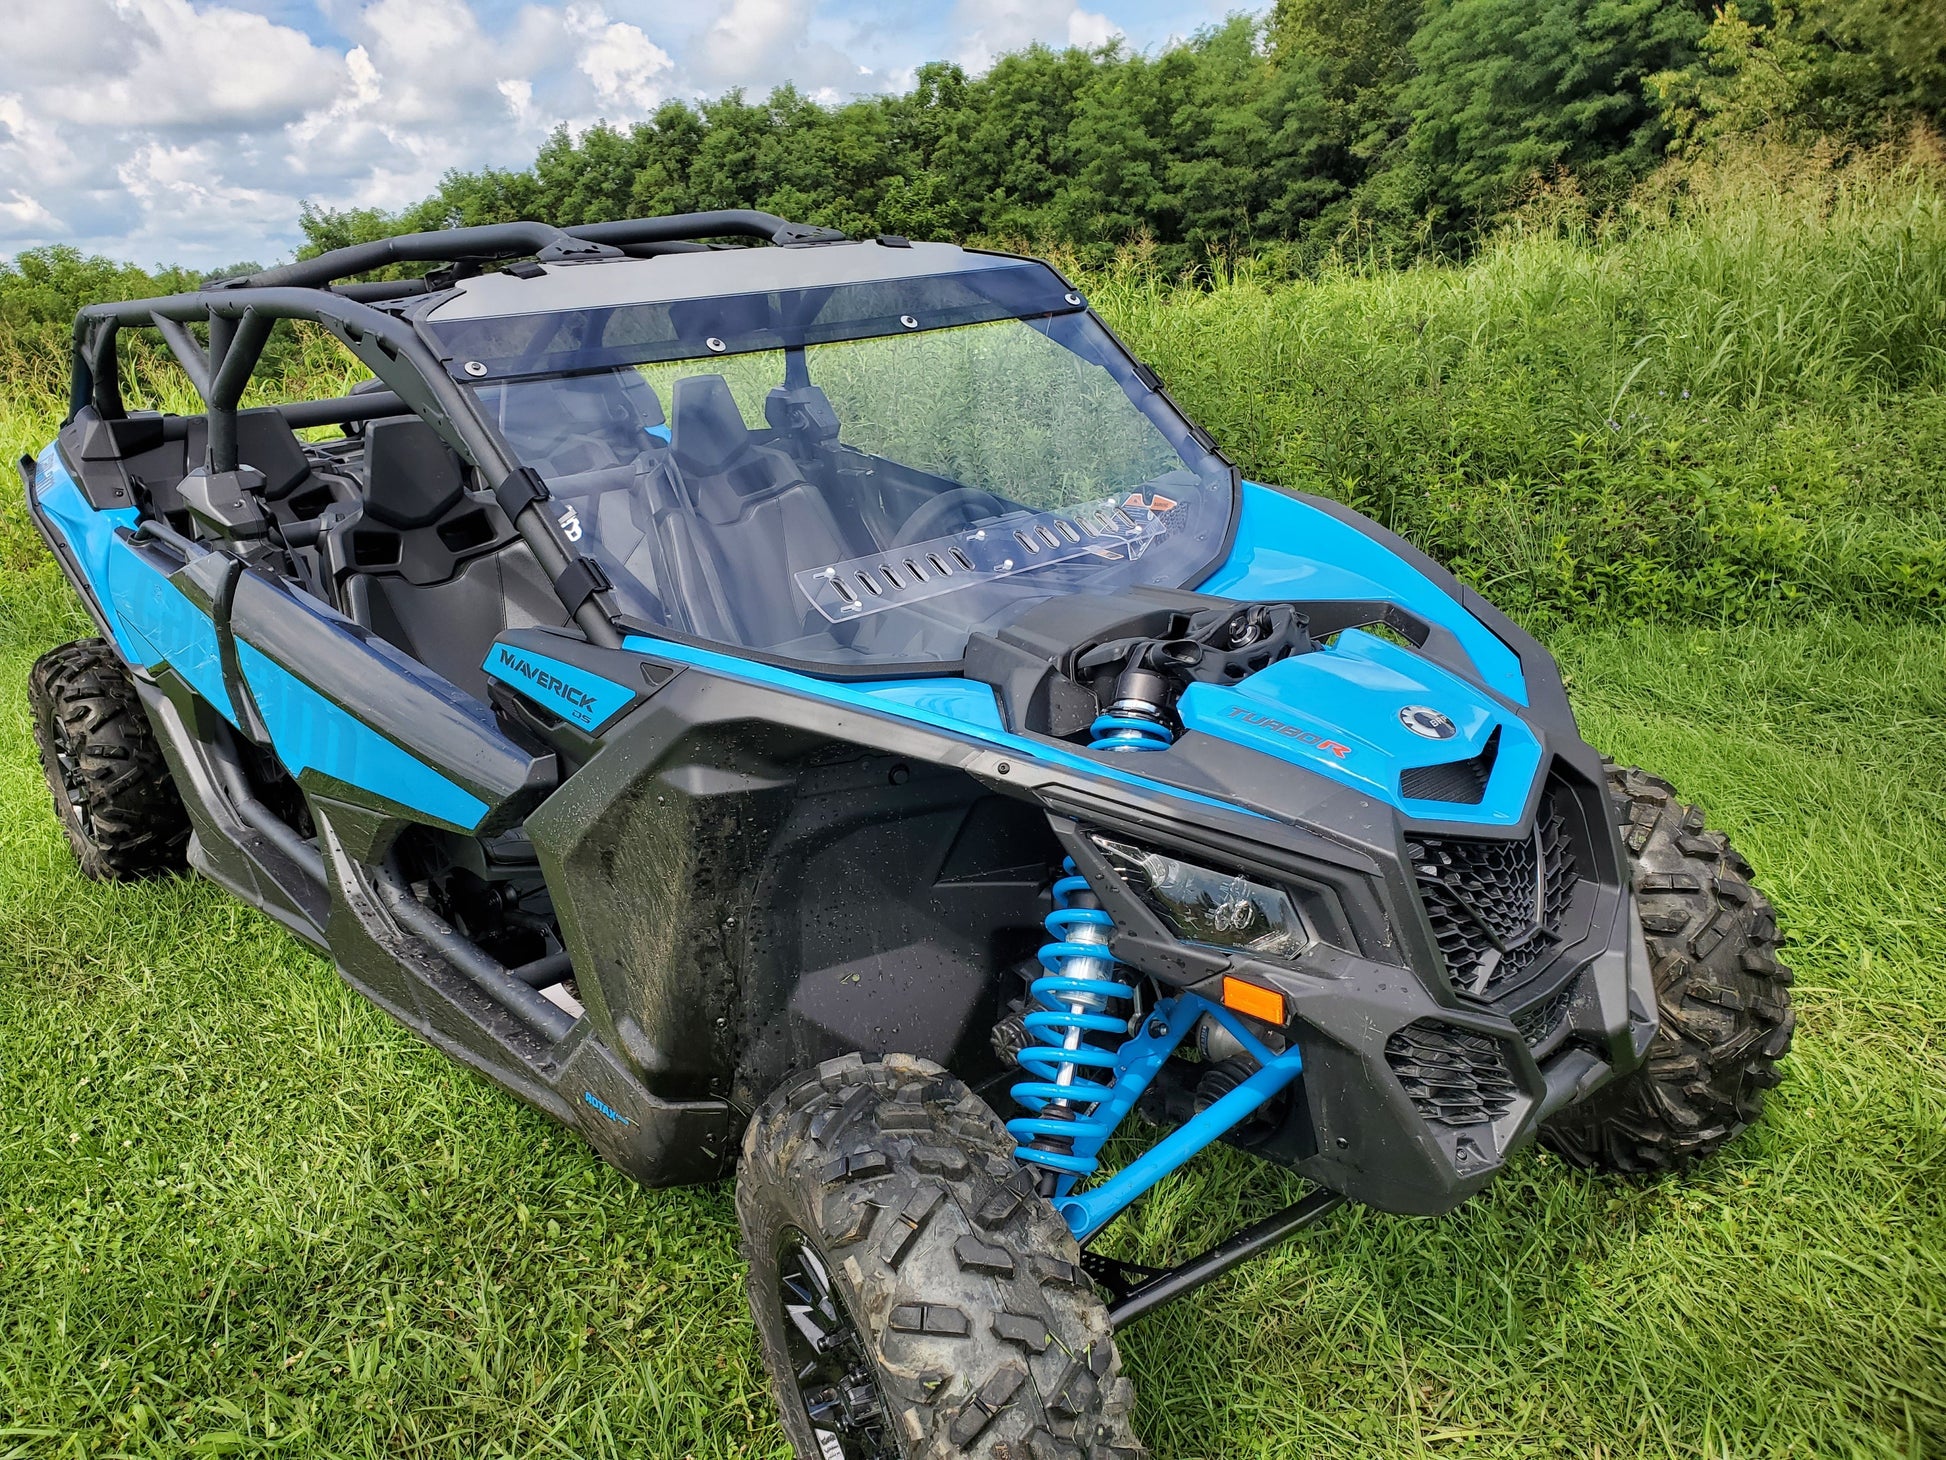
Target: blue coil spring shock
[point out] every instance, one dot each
(1134, 721)
(1070, 1076)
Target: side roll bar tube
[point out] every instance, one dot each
(723, 223)
(395, 353)
(545, 1018)
(242, 341)
(189, 354)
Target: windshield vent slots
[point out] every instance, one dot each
(1017, 543)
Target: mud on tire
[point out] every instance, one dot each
(1723, 996)
(964, 1291)
(111, 783)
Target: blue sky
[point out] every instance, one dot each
(188, 131)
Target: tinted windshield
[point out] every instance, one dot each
(871, 501)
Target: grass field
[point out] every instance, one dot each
(242, 1213)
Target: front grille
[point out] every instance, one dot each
(1496, 906)
(1455, 1078)
(1539, 1022)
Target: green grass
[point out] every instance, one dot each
(242, 1212)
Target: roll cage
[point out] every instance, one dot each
(240, 313)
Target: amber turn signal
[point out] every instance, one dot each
(1258, 1003)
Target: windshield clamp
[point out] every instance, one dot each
(519, 489)
(579, 581)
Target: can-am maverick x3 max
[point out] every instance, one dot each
(820, 711)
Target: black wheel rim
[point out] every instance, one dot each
(68, 764)
(831, 1365)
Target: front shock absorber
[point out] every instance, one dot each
(1070, 1074)
(1134, 721)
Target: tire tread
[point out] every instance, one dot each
(1723, 996)
(136, 825)
(988, 1340)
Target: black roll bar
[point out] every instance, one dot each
(691, 227)
(239, 323)
(240, 313)
(445, 246)
(498, 241)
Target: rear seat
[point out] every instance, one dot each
(265, 442)
(413, 568)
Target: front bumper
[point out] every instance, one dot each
(1413, 1098)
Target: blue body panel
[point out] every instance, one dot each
(1302, 711)
(959, 707)
(1285, 548)
(582, 698)
(962, 701)
(150, 620)
(154, 624)
(166, 627)
(313, 734)
(1336, 712)
(90, 536)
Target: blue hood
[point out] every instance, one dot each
(1340, 712)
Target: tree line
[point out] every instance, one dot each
(1402, 127)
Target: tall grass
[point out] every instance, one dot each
(1707, 415)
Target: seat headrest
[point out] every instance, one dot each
(580, 423)
(706, 428)
(412, 477)
(263, 440)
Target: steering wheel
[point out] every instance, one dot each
(936, 512)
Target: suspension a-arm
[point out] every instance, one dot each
(1079, 1090)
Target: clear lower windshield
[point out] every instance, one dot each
(871, 501)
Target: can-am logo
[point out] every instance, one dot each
(1265, 722)
(541, 679)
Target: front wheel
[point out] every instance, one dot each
(914, 1296)
(1723, 998)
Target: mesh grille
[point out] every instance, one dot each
(1496, 906)
(1455, 1078)
(1463, 782)
(1538, 1022)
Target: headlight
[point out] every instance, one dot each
(1219, 909)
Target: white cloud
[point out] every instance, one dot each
(26, 214)
(1091, 31)
(627, 68)
(190, 130)
(990, 28)
(519, 92)
(750, 31)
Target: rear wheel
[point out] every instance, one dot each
(914, 1296)
(1722, 996)
(111, 783)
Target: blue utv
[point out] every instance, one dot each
(819, 711)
